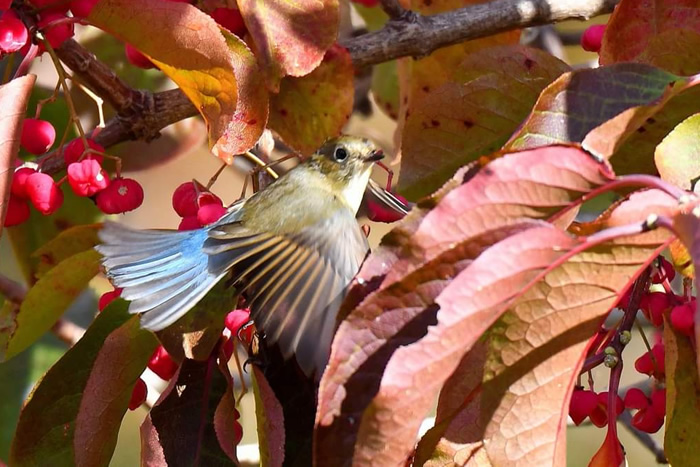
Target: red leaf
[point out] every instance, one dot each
(180, 429)
(665, 34)
(270, 421)
(290, 37)
(13, 100)
(421, 256)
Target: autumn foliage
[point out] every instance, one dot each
(555, 218)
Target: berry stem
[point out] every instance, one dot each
(654, 363)
(48, 100)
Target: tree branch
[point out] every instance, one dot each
(421, 35)
(142, 114)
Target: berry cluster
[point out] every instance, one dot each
(229, 18)
(196, 205)
(85, 176)
(660, 306)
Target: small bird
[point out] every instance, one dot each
(292, 249)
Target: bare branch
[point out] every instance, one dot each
(424, 34)
(68, 332)
(11, 290)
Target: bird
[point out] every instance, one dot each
(292, 249)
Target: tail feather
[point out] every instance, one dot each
(163, 273)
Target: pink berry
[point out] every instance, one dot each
(19, 181)
(138, 394)
(108, 297)
(55, 32)
(82, 8)
(189, 223)
(593, 38)
(645, 364)
(75, 149)
(666, 271)
(185, 199)
(582, 404)
(122, 195)
(162, 364)
(636, 399)
(13, 33)
(37, 135)
(654, 305)
(377, 212)
(236, 319)
(17, 211)
(43, 192)
(137, 58)
(683, 318)
(210, 213)
(87, 177)
(231, 19)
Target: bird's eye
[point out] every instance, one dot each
(340, 154)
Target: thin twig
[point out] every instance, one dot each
(12, 290)
(68, 332)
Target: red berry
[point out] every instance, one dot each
(55, 32)
(189, 223)
(207, 197)
(108, 297)
(654, 305)
(647, 420)
(13, 33)
(43, 192)
(82, 8)
(231, 19)
(593, 38)
(138, 394)
(122, 195)
(582, 404)
(137, 58)
(5, 4)
(645, 364)
(238, 432)
(636, 399)
(236, 319)
(367, 3)
(87, 177)
(17, 211)
(658, 402)
(37, 135)
(75, 149)
(665, 271)
(210, 213)
(378, 212)
(162, 364)
(683, 318)
(185, 199)
(19, 181)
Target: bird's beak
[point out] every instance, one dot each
(375, 156)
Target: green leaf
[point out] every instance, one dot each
(471, 112)
(66, 244)
(385, 88)
(682, 437)
(49, 298)
(290, 36)
(73, 415)
(309, 110)
(29, 236)
(678, 156)
(664, 33)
